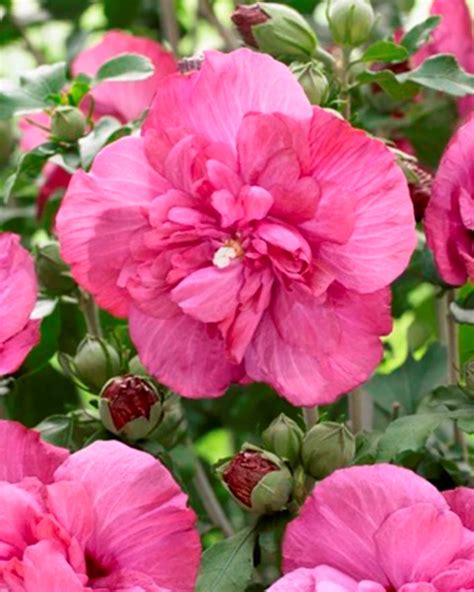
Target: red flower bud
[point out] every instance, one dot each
(130, 405)
(244, 472)
(245, 17)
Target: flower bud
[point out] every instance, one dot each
(276, 29)
(351, 21)
(53, 273)
(326, 447)
(313, 81)
(172, 427)
(130, 406)
(68, 124)
(136, 367)
(420, 189)
(258, 480)
(95, 362)
(284, 437)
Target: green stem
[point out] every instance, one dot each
(325, 57)
(91, 314)
(345, 82)
(449, 337)
(209, 500)
(310, 416)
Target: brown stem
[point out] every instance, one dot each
(169, 23)
(227, 37)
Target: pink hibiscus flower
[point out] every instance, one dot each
(107, 518)
(380, 528)
(246, 235)
(18, 291)
(124, 100)
(453, 35)
(449, 218)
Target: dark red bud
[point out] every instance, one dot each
(420, 191)
(244, 472)
(246, 17)
(129, 398)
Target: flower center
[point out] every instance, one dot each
(224, 256)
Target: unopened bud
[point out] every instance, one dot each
(130, 406)
(53, 273)
(313, 81)
(284, 437)
(68, 124)
(276, 29)
(136, 367)
(258, 480)
(420, 189)
(172, 427)
(351, 21)
(95, 362)
(326, 447)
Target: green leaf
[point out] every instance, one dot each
(385, 51)
(29, 167)
(34, 92)
(410, 383)
(228, 565)
(90, 145)
(121, 14)
(48, 345)
(456, 402)
(387, 80)
(420, 34)
(441, 73)
(408, 434)
(462, 315)
(70, 431)
(128, 66)
(71, 9)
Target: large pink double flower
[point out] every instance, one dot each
(18, 291)
(124, 100)
(246, 235)
(380, 529)
(105, 519)
(449, 218)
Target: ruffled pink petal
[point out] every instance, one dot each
(416, 543)
(14, 351)
(128, 581)
(142, 522)
(419, 587)
(18, 286)
(210, 294)
(461, 501)
(321, 579)
(223, 91)
(346, 510)
(446, 233)
(23, 454)
(47, 570)
(186, 355)
(100, 216)
(125, 100)
(458, 577)
(383, 236)
(311, 350)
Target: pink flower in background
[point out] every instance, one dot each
(18, 290)
(453, 35)
(107, 518)
(449, 218)
(379, 528)
(246, 235)
(124, 100)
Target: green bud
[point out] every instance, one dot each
(314, 82)
(95, 362)
(351, 21)
(172, 427)
(326, 447)
(68, 124)
(52, 272)
(284, 437)
(130, 406)
(276, 29)
(258, 480)
(136, 367)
